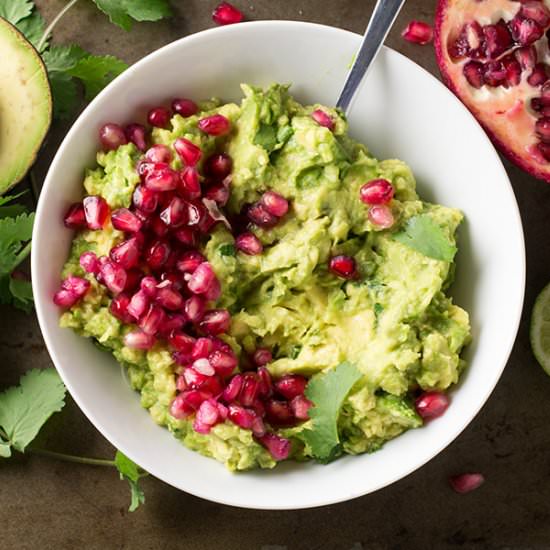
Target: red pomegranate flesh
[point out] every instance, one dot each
(494, 55)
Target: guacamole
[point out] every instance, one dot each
(393, 319)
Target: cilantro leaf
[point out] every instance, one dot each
(227, 249)
(14, 11)
(5, 449)
(25, 408)
(122, 12)
(129, 471)
(96, 71)
(33, 28)
(21, 292)
(266, 137)
(424, 235)
(65, 95)
(327, 391)
(13, 233)
(12, 210)
(63, 58)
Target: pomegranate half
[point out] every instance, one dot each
(494, 55)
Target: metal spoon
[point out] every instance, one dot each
(380, 23)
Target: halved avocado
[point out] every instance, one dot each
(25, 105)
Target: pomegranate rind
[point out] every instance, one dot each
(451, 74)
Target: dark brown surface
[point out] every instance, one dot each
(49, 504)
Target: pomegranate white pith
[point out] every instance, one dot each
(494, 56)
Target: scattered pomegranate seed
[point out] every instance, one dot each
(125, 220)
(258, 215)
(227, 14)
(137, 339)
(157, 254)
(418, 32)
(65, 298)
(119, 308)
(378, 191)
(77, 285)
(96, 211)
(189, 153)
(219, 193)
(343, 266)
(89, 262)
(159, 117)
(432, 404)
(262, 356)
(300, 406)
(169, 299)
(241, 416)
(112, 137)
(278, 447)
(291, 385)
(381, 215)
(136, 134)
(125, 254)
(323, 119)
(162, 179)
(278, 412)
(249, 244)
(202, 278)
(218, 166)
(189, 183)
(464, 483)
(274, 203)
(138, 304)
(215, 321)
(113, 277)
(145, 199)
(75, 218)
(181, 341)
(214, 125)
(159, 153)
(184, 107)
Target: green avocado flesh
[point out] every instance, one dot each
(25, 105)
(395, 322)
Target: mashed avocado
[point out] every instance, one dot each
(394, 322)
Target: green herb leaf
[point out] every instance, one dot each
(25, 408)
(96, 71)
(15, 10)
(122, 12)
(21, 292)
(5, 449)
(266, 137)
(327, 391)
(129, 471)
(424, 235)
(33, 28)
(227, 250)
(12, 210)
(63, 58)
(65, 95)
(14, 232)
(295, 352)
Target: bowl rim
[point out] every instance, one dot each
(54, 353)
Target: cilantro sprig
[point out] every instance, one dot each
(328, 391)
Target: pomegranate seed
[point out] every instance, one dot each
(343, 266)
(526, 57)
(133, 278)
(291, 385)
(157, 254)
(159, 117)
(214, 292)
(96, 211)
(536, 11)
(169, 298)
(149, 286)
(180, 407)
(266, 384)
(208, 412)
(145, 199)
(77, 285)
(278, 412)
(258, 427)
(195, 213)
(249, 244)
(215, 321)
(203, 366)
(262, 356)
(172, 323)
(113, 276)
(202, 348)
(159, 153)
(274, 203)
(137, 339)
(124, 220)
(152, 320)
(378, 191)
(218, 166)
(223, 411)
(258, 408)
(542, 129)
(497, 39)
(219, 345)
(193, 378)
(300, 406)
(241, 416)
(233, 388)
(65, 298)
(189, 153)
(258, 215)
(539, 75)
(181, 341)
(75, 218)
(418, 32)
(431, 404)
(125, 254)
(323, 119)
(138, 304)
(381, 216)
(213, 386)
(249, 390)
(525, 31)
(194, 308)
(162, 179)
(227, 14)
(214, 125)
(473, 71)
(181, 385)
(89, 262)
(468, 43)
(112, 137)
(218, 193)
(278, 447)
(200, 427)
(189, 184)
(119, 308)
(464, 483)
(495, 73)
(158, 227)
(174, 214)
(186, 236)
(136, 134)
(202, 278)
(223, 363)
(184, 107)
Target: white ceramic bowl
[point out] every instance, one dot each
(401, 112)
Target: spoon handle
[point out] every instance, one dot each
(382, 19)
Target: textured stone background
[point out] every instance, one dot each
(53, 505)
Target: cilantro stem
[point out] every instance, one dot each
(54, 22)
(20, 257)
(72, 458)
